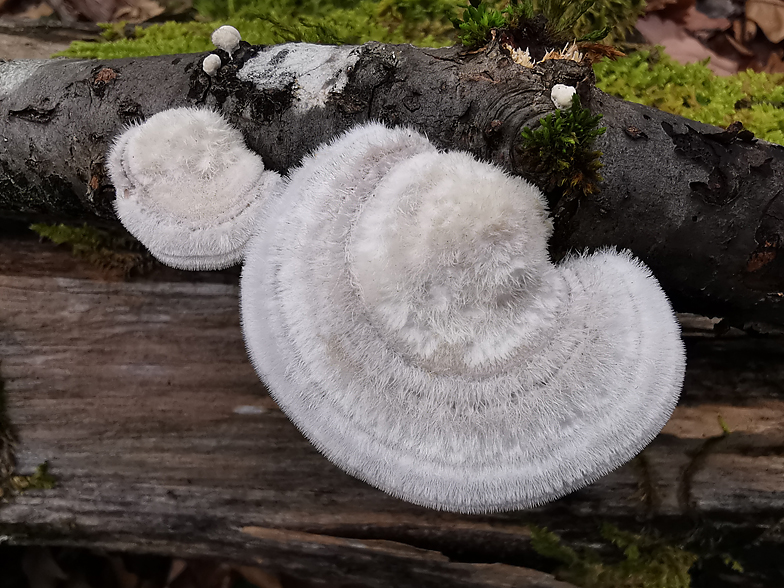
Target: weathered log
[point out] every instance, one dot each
(140, 396)
(701, 206)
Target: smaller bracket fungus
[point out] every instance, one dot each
(227, 38)
(188, 188)
(211, 64)
(401, 306)
(562, 95)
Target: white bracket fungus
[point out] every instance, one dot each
(562, 95)
(188, 188)
(211, 64)
(227, 38)
(400, 304)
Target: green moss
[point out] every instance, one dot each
(724, 426)
(589, 20)
(109, 252)
(477, 20)
(640, 562)
(268, 23)
(560, 150)
(11, 484)
(41, 479)
(693, 91)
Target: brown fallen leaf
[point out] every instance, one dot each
(136, 11)
(742, 49)
(35, 12)
(682, 46)
(123, 577)
(695, 20)
(775, 63)
(259, 577)
(674, 10)
(769, 16)
(41, 569)
(744, 30)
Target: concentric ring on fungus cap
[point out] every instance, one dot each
(401, 306)
(188, 188)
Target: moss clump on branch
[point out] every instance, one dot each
(111, 253)
(693, 91)
(641, 562)
(560, 154)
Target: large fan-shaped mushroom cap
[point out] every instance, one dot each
(188, 188)
(400, 305)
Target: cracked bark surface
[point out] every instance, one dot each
(141, 397)
(702, 206)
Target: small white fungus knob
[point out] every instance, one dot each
(562, 95)
(211, 64)
(227, 38)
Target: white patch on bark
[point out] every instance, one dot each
(315, 70)
(14, 73)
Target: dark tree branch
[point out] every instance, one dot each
(701, 206)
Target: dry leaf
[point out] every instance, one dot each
(36, 12)
(681, 46)
(769, 16)
(177, 567)
(742, 49)
(670, 9)
(697, 21)
(41, 569)
(136, 11)
(775, 63)
(259, 577)
(744, 30)
(125, 579)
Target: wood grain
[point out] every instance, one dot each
(140, 396)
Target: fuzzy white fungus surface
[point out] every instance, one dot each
(188, 188)
(562, 95)
(400, 305)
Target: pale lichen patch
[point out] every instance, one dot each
(315, 71)
(14, 73)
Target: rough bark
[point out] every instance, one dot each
(701, 206)
(140, 396)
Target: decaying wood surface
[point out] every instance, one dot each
(140, 396)
(702, 206)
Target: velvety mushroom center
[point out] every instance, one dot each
(192, 184)
(449, 256)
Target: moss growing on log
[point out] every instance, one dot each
(642, 562)
(559, 152)
(10, 483)
(41, 479)
(112, 253)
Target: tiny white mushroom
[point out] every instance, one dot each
(401, 307)
(211, 64)
(562, 95)
(227, 38)
(188, 188)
